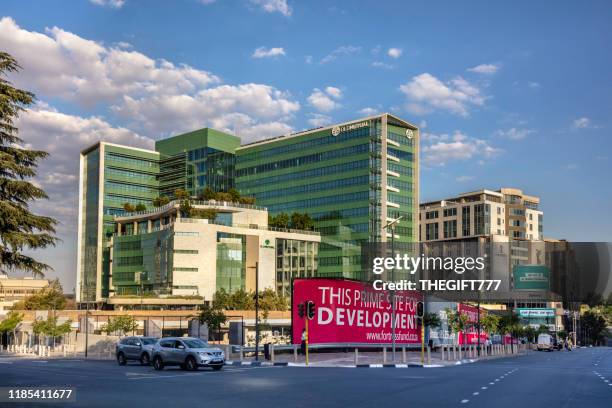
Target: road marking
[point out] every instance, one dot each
(483, 388)
(475, 393)
(491, 383)
(464, 401)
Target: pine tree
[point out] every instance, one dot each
(20, 229)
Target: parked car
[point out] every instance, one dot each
(187, 352)
(135, 348)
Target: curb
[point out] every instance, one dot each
(256, 363)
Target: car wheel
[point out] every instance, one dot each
(121, 359)
(145, 359)
(191, 364)
(158, 363)
(217, 368)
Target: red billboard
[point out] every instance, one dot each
(471, 334)
(354, 312)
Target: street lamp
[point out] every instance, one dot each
(256, 310)
(390, 225)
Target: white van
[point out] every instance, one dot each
(545, 342)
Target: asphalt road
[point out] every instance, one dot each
(581, 378)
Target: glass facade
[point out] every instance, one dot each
(231, 262)
(294, 259)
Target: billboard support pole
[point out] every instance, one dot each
(306, 322)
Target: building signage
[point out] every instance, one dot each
(267, 244)
(470, 336)
(531, 277)
(336, 130)
(353, 312)
(536, 313)
(409, 133)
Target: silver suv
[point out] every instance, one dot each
(187, 352)
(135, 348)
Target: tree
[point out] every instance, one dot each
(509, 324)
(208, 194)
(10, 322)
(530, 333)
(213, 317)
(160, 201)
(206, 213)
(489, 323)
(50, 328)
(242, 300)
(457, 322)
(50, 298)
(140, 207)
(279, 221)
(181, 194)
(431, 320)
(20, 229)
(301, 221)
(234, 194)
(594, 326)
(122, 324)
(221, 299)
(129, 207)
(543, 329)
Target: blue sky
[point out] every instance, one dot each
(514, 94)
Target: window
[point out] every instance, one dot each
(186, 233)
(450, 229)
(431, 231)
(430, 215)
(450, 212)
(465, 221)
(180, 269)
(185, 251)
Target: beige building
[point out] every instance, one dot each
(13, 290)
(167, 259)
(505, 212)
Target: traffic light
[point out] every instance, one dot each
(419, 309)
(301, 310)
(310, 310)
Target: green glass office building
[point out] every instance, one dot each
(351, 178)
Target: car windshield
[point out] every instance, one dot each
(148, 341)
(195, 343)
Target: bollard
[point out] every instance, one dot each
(454, 352)
(295, 353)
(460, 352)
(241, 354)
(356, 356)
(404, 355)
(272, 353)
(428, 355)
(384, 355)
(442, 352)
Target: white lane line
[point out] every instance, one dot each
(491, 383)
(475, 393)
(463, 401)
(483, 388)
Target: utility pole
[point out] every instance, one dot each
(256, 311)
(391, 226)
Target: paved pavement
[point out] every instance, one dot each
(580, 378)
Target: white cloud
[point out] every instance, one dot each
(394, 52)
(426, 93)
(62, 64)
(582, 123)
(380, 64)
(109, 3)
(308, 59)
(463, 179)
(533, 84)
(439, 150)
(63, 137)
(263, 52)
(368, 111)
(325, 100)
(487, 69)
(333, 92)
(155, 96)
(514, 133)
(318, 120)
(209, 107)
(274, 6)
(344, 50)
